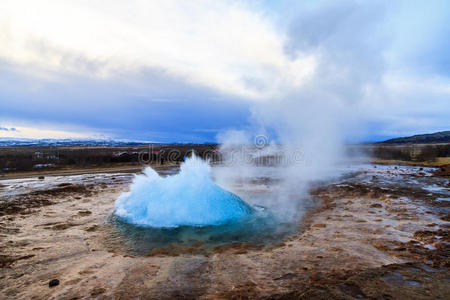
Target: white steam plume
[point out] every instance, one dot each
(310, 124)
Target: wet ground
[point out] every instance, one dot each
(377, 232)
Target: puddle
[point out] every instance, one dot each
(445, 199)
(429, 269)
(397, 279)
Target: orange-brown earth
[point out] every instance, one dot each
(363, 241)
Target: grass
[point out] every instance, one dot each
(440, 161)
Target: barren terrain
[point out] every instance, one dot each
(381, 232)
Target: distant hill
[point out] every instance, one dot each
(20, 142)
(4, 142)
(437, 137)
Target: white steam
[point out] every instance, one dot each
(308, 126)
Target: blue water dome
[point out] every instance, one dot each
(189, 198)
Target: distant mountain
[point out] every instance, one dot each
(6, 142)
(67, 142)
(437, 137)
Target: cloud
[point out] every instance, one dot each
(221, 45)
(370, 66)
(174, 70)
(42, 133)
(168, 112)
(12, 129)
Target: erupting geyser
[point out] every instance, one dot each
(187, 198)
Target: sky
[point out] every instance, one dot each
(187, 71)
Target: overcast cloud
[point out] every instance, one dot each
(186, 71)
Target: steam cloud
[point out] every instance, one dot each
(308, 125)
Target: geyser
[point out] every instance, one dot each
(189, 198)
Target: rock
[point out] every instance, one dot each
(84, 213)
(53, 282)
(319, 225)
(41, 177)
(97, 291)
(91, 228)
(62, 226)
(443, 171)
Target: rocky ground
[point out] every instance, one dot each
(379, 233)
